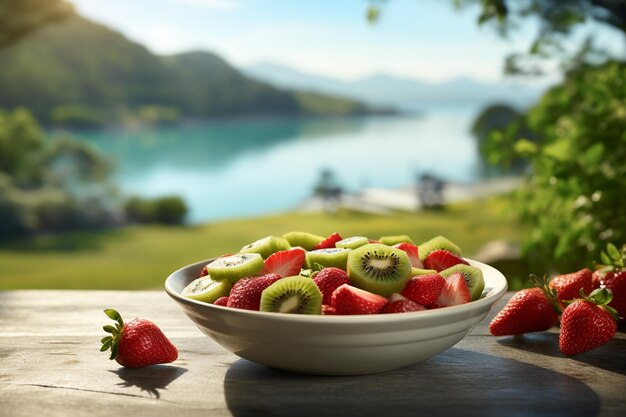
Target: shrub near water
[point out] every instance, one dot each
(165, 210)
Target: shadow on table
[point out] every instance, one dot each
(150, 379)
(457, 382)
(609, 357)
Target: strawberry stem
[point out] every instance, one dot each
(550, 293)
(111, 341)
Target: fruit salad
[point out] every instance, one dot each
(303, 273)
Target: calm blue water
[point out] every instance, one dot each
(244, 168)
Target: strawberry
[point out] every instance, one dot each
(138, 343)
(328, 280)
(222, 301)
(442, 259)
(400, 304)
(587, 323)
(424, 289)
(529, 310)
(454, 292)
(328, 310)
(413, 253)
(329, 242)
(612, 275)
(285, 263)
(351, 300)
(246, 293)
(567, 286)
(616, 282)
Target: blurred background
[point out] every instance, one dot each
(139, 136)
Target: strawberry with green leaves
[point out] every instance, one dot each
(138, 343)
(611, 274)
(587, 323)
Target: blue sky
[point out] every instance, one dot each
(425, 39)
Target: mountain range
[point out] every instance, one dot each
(385, 89)
(97, 73)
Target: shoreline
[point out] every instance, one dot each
(386, 200)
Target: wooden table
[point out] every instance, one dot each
(50, 366)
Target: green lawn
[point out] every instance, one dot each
(142, 257)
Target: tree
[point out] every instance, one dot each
(50, 184)
(558, 20)
(574, 197)
(19, 18)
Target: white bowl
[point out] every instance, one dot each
(336, 345)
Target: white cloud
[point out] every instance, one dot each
(209, 4)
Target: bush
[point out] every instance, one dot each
(164, 210)
(574, 196)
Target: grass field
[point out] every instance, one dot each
(142, 257)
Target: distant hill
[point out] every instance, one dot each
(81, 67)
(383, 89)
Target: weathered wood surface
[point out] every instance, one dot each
(50, 366)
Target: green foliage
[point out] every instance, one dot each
(574, 197)
(164, 210)
(558, 20)
(49, 184)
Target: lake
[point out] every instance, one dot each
(239, 168)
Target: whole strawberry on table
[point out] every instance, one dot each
(588, 305)
(138, 343)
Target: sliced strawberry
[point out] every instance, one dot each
(413, 253)
(351, 300)
(328, 310)
(454, 292)
(328, 280)
(424, 289)
(246, 293)
(285, 263)
(329, 242)
(400, 304)
(222, 301)
(442, 259)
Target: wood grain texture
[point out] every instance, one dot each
(50, 366)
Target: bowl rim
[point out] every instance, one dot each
(491, 297)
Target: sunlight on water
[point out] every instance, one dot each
(243, 168)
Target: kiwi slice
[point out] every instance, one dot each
(234, 267)
(379, 268)
(473, 277)
(303, 239)
(419, 271)
(352, 242)
(438, 242)
(337, 257)
(266, 246)
(295, 295)
(206, 289)
(392, 240)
